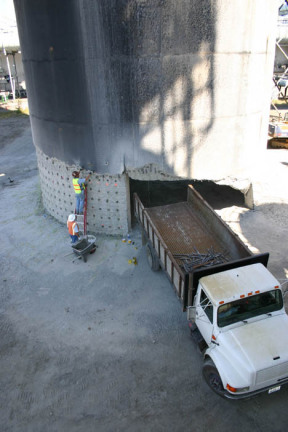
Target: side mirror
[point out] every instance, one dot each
(191, 313)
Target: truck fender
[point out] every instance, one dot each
(213, 374)
(227, 370)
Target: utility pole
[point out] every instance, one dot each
(13, 81)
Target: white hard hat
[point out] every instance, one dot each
(71, 218)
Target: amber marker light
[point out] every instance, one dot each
(231, 389)
(236, 390)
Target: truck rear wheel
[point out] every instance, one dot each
(212, 377)
(144, 237)
(152, 257)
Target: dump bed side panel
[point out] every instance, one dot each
(220, 231)
(176, 274)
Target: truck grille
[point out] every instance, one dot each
(279, 371)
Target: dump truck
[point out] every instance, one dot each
(234, 305)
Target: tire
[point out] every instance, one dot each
(193, 327)
(212, 377)
(143, 238)
(152, 257)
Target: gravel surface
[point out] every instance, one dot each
(104, 345)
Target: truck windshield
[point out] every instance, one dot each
(249, 307)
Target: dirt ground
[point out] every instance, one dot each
(104, 346)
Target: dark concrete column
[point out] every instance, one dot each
(50, 34)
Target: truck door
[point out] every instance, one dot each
(204, 316)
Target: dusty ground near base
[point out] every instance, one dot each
(104, 345)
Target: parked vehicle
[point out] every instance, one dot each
(234, 304)
(278, 131)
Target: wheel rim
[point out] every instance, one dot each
(216, 383)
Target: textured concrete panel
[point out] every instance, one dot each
(146, 88)
(186, 26)
(108, 207)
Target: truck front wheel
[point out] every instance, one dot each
(152, 257)
(212, 377)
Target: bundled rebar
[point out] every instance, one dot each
(196, 259)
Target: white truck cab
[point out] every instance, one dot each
(241, 317)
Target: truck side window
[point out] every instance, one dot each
(206, 305)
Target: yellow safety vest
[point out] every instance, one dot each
(77, 187)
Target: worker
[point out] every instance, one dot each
(79, 187)
(73, 228)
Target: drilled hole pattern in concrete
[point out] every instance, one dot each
(107, 196)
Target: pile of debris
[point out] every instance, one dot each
(196, 259)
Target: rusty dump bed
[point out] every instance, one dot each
(184, 228)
